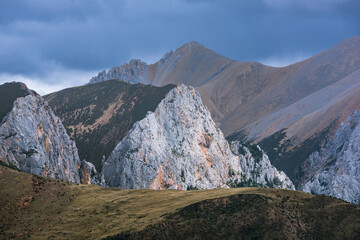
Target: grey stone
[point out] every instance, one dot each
(335, 169)
(178, 146)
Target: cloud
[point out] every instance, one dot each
(65, 78)
(283, 61)
(40, 38)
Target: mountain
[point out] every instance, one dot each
(98, 116)
(112, 120)
(32, 138)
(178, 146)
(40, 208)
(335, 169)
(288, 111)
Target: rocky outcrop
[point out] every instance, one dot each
(89, 175)
(178, 146)
(34, 140)
(335, 169)
(98, 116)
(133, 72)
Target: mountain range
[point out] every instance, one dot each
(34, 140)
(193, 120)
(288, 111)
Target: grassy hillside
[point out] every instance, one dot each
(98, 116)
(39, 208)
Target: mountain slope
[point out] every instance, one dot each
(302, 103)
(303, 126)
(98, 116)
(290, 84)
(178, 146)
(39, 208)
(237, 93)
(335, 169)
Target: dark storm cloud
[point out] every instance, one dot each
(40, 36)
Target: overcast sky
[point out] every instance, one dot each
(50, 45)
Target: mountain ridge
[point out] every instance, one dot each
(98, 116)
(178, 146)
(240, 95)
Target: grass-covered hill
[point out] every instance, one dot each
(98, 116)
(38, 208)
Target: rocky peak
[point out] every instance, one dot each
(133, 72)
(191, 44)
(335, 169)
(98, 116)
(34, 140)
(178, 146)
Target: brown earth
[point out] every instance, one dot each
(38, 208)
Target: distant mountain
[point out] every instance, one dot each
(178, 146)
(33, 139)
(285, 109)
(98, 116)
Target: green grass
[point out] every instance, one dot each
(59, 210)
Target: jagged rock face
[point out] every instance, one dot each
(133, 72)
(335, 170)
(98, 116)
(178, 146)
(257, 167)
(89, 175)
(34, 140)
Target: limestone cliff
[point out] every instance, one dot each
(335, 169)
(178, 146)
(34, 140)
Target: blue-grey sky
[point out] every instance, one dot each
(54, 44)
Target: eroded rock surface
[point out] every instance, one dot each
(34, 140)
(178, 146)
(335, 170)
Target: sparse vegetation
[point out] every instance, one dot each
(242, 151)
(189, 188)
(231, 172)
(30, 152)
(182, 175)
(291, 161)
(41, 208)
(98, 116)
(255, 152)
(243, 183)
